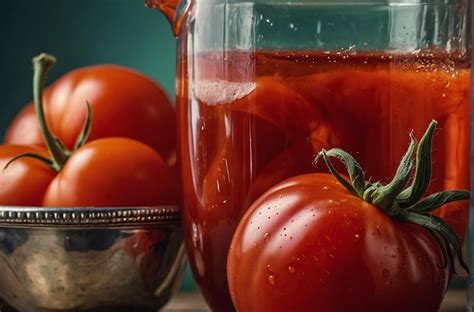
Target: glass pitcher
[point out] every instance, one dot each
(263, 85)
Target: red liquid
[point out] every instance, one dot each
(250, 120)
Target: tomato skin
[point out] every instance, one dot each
(25, 181)
(124, 103)
(113, 172)
(285, 108)
(309, 245)
(24, 128)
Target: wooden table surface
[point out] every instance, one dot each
(455, 301)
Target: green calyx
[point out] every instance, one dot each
(402, 202)
(59, 153)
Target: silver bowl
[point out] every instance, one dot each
(89, 259)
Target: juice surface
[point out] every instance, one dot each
(249, 120)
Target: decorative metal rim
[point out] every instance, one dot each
(89, 217)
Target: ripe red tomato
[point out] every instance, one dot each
(113, 172)
(310, 245)
(285, 108)
(25, 181)
(124, 103)
(295, 160)
(108, 172)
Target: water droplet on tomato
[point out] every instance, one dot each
(291, 269)
(385, 273)
(357, 236)
(266, 236)
(271, 280)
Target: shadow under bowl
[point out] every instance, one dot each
(89, 259)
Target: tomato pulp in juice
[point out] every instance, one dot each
(250, 120)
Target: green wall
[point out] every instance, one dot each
(80, 33)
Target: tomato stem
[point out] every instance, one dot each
(29, 155)
(59, 154)
(86, 129)
(406, 204)
(385, 196)
(422, 178)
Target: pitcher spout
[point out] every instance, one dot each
(173, 10)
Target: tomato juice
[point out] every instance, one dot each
(248, 120)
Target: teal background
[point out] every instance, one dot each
(80, 33)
